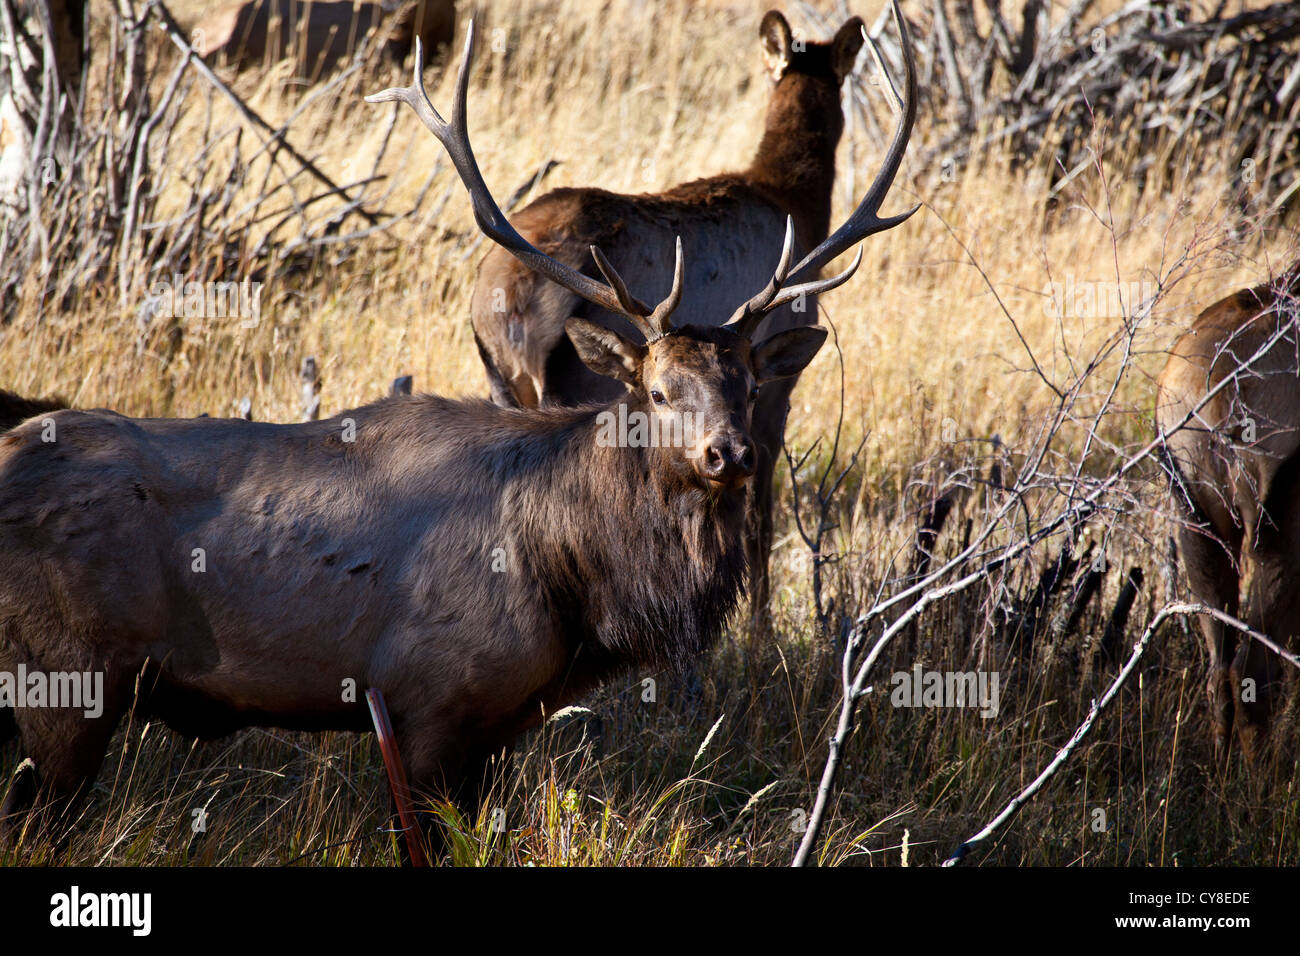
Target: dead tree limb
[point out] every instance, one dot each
(1063, 755)
(244, 110)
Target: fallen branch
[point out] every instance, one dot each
(1062, 755)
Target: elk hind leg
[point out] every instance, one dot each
(1273, 559)
(1214, 581)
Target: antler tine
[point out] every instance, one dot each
(659, 322)
(661, 317)
(746, 317)
(865, 220)
(816, 286)
(407, 94)
(454, 137)
(896, 101)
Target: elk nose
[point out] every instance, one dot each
(727, 459)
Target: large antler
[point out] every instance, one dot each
(776, 293)
(864, 221)
(454, 136)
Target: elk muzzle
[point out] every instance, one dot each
(726, 459)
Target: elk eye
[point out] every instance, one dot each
(753, 394)
(657, 397)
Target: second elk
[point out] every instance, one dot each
(1229, 406)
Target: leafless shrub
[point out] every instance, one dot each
(1167, 84)
(119, 198)
(1067, 495)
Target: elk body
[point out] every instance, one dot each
(479, 565)
(729, 227)
(318, 33)
(1235, 469)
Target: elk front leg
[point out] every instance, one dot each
(1271, 609)
(460, 773)
(1271, 557)
(758, 544)
(1252, 674)
(1213, 580)
(769, 433)
(62, 749)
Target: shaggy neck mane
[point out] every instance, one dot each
(640, 566)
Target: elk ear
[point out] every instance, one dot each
(606, 352)
(787, 353)
(845, 47)
(775, 35)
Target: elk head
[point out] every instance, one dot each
(695, 384)
(784, 58)
(807, 76)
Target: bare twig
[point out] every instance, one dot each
(244, 110)
(1098, 705)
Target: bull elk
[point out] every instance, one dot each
(729, 227)
(479, 565)
(1233, 457)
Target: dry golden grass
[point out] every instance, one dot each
(634, 100)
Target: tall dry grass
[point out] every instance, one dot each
(938, 334)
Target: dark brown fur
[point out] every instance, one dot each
(1240, 499)
(15, 409)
